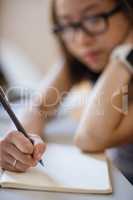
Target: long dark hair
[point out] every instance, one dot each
(78, 70)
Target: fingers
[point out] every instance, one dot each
(18, 155)
(21, 142)
(11, 149)
(8, 164)
(39, 146)
(39, 150)
(16, 146)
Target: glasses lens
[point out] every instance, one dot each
(95, 25)
(68, 33)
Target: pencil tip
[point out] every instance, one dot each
(41, 162)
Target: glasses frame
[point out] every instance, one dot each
(58, 29)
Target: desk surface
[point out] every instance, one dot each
(122, 189)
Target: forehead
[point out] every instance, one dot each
(69, 7)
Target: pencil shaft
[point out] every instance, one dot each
(12, 116)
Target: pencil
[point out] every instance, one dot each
(13, 117)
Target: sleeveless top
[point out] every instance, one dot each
(123, 159)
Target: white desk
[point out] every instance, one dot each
(61, 130)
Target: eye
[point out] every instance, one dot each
(93, 20)
(95, 24)
(64, 22)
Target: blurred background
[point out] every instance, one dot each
(28, 48)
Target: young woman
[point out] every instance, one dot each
(96, 38)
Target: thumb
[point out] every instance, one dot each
(39, 146)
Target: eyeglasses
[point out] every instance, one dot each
(92, 25)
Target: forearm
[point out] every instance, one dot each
(33, 121)
(101, 119)
(45, 104)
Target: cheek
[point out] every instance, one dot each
(72, 49)
(116, 34)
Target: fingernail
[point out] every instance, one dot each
(39, 156)
(35, 163)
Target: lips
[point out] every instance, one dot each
(91, 56)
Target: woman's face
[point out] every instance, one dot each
(92, 50)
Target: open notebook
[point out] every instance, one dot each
(66, 169)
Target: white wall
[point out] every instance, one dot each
(25, 23)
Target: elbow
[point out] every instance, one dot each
(88, 144)
(92, 143)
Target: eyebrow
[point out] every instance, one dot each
(90, 7)
(63, 17)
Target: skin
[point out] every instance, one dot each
(68, 11)
(16, 146)
(95, 132)
(100, 132)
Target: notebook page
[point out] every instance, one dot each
(65, 169)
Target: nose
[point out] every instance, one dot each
(83, 38)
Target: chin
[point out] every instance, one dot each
(96, 68)
(98, 65)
